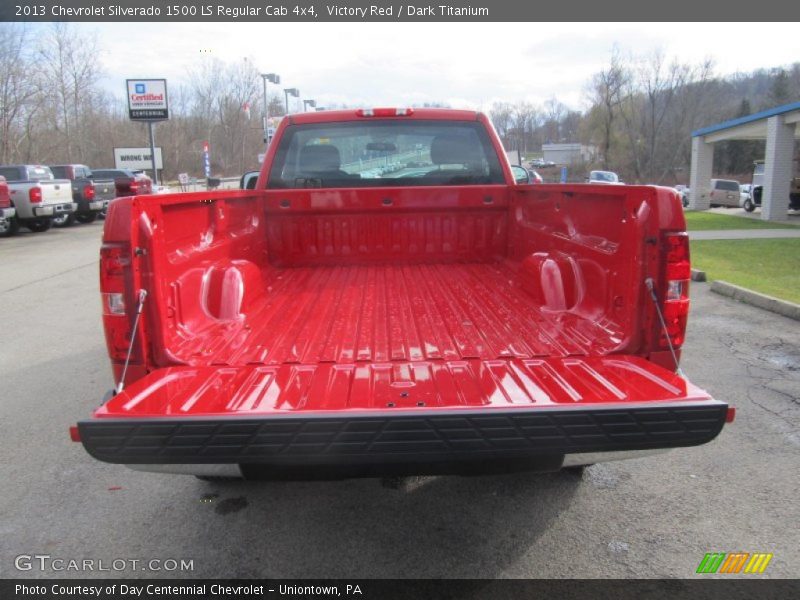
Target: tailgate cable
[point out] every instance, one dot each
(142, 298)
(650, 286)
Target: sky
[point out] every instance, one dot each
(466, 65)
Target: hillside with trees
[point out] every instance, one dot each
(639, 111)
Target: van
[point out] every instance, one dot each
(725, 192)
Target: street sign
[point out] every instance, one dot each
(136, 158)
(147, 99)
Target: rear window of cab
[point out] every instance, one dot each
(385, 153)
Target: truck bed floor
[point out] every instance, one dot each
(377, 313)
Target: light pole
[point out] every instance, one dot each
(290, 92)
(307, 103)
(272, 78)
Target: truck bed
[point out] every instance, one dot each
(344, 314)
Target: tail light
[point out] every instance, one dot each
(35, 195)
(88, 192)
(384, 112)
(675, 291)
(126, 186)
(114, 262)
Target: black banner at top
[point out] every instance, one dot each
(268, 11)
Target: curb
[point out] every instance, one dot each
(782, 307)
(698, 275)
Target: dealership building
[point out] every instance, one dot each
(779, 128)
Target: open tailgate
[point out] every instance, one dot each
(328, 414)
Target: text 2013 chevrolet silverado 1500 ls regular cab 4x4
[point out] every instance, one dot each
(388, 300)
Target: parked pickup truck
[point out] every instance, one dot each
(91, 194)
(7, 212)
(36, 196)
(437, 318)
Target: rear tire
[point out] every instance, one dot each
(39, 225)
(85, 218)
(11, 229)
(748, 205)
(65, 220)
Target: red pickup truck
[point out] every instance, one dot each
(388, 300)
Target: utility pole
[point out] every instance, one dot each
(294, 92)
(153, 151)
(272, 78)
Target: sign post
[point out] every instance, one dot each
(153, 151)
(147, 101)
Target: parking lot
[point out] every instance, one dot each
(650, 517)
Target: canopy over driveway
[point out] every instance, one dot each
(779, 127)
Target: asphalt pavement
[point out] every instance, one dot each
(650, 517)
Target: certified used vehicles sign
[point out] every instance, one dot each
(147, 99)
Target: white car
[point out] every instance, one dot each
(683, 191)
(745, 190)
(604, 177)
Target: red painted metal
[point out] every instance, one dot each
(307, 315)
(400, 387)
(337, 299)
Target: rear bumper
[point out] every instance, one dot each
(53, 210)
(89, 206)
(450, 439)
(7, 213)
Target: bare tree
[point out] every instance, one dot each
(606, 92)
(19, 89)
(72, 69)
(502, 119)
(554, 111)
(524, 116)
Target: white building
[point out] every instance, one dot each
(779, 127)
(569, 154)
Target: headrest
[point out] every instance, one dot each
(455, 150)
(319, 158)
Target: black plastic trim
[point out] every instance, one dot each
(387, 438)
